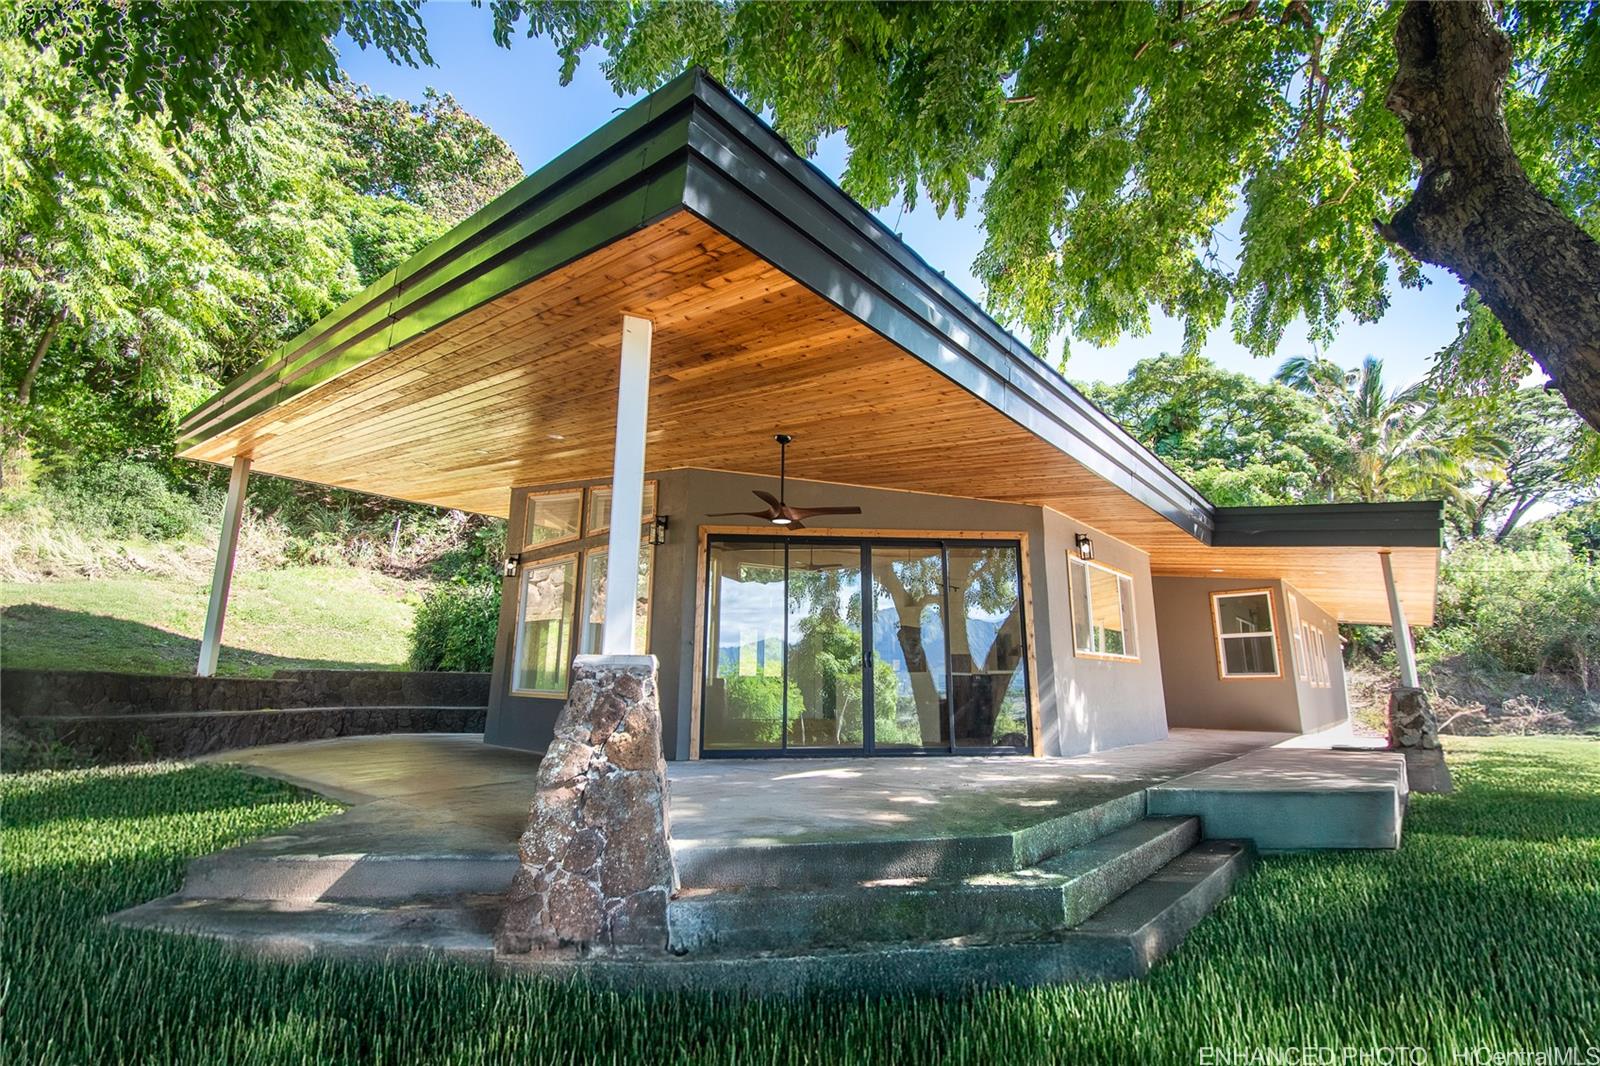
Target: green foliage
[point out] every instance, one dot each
(129, 499)
(1239, 441)
(186, 61)
(1119, 141)
(1497, 884)
(455, 628)
(1533, 609)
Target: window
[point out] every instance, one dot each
(599, 519)
(1102, 611)
(1297, 632)
(1320, 677)
(552, 517)
(545, 601)
(1247, 642)
(594, 600)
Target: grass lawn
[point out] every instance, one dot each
(1483, 930)
(294, 618)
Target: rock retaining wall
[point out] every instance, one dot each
(52, 716)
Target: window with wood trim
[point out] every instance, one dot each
(551, 518)
(599, 515)
(1247, 639)
(1102, 611)
(546, 603)
(1299, 651)
(592, 628)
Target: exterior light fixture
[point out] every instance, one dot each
(1084, 545)
(658, 530)
(510, 569)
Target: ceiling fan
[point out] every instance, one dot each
(778, 512)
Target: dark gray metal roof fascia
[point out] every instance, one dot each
(1413, 524)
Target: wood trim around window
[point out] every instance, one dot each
(1216, 635)
(1072, 633)
(582, 492)
(572, 626)
(605, 486)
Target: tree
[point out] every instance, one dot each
(1239, 441)
(183, 62)
(1118, 140)
(1550, 457)
(138, 270)
(1399, 444)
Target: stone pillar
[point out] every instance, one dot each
(596, 869)
(1411, 720)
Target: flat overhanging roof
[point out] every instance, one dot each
(489, 360)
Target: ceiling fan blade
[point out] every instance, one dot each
(742, 514)
(812, 512)
(795, 525)
(769, 499)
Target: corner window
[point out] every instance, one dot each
(599, 519)
(546, 600)
(1102, 611)
(1247, 642)
(551, 518)
(594, 600)
(1301, 650)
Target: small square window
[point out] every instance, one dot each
(600, 508)
(551, 518)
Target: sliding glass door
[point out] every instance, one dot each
(823, 645)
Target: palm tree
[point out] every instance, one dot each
(1400, 444)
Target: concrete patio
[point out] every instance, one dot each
(806, 873)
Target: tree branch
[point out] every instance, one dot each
(25, 387)
(1475, 212)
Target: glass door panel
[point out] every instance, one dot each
(744, 689)
(988, 672)
(910, 709)
(825, 647)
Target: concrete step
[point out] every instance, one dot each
(1125, 939)
(244, 874)
(1053, 895)
(1294, 799)
(839, 863)
(1147, 923)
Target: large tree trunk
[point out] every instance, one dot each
(1474, 211)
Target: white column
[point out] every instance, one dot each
(1403, 651)
(222, 575)
(627, 487)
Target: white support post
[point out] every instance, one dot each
(222, 575)
(627, 487)
(1403, 650)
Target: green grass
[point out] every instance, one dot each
(294, 618)
(1483, 930)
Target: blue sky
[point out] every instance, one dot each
(517, 92)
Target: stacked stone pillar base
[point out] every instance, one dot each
(596, 868)
(1412, 724)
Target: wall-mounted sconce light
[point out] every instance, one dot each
(510, 569)
(1084, 545)
(658, 531)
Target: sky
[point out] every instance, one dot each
(517, 92)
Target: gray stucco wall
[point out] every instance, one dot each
(1197, 696)
(1321, 706)
(1084, 705)
(1100, 703)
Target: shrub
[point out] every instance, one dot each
(455, 627)
(129, 499)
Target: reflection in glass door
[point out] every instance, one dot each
(928, 655)
(987, 676)
(824, 647)
(909, 709)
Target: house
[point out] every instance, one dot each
(847, 512)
